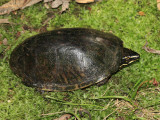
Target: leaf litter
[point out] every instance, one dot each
(64, 117)
(2, 21)
(13, 5)
(5, 41)
(64, 3)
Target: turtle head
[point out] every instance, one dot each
(129, 57)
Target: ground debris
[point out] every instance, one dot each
(64, 117)
(153, 82)
(5, 41)
(47, 1)
(150, 50)
(32, 2)
(64, 3)
(57, 3)
(4, 21)
(149, 114)
(84, 1)
(141, 13)
(15, 5)
(81, 111)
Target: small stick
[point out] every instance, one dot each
(110, 114)
(150, 50)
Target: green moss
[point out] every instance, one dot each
(121, 17)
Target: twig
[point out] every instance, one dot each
(150, 50)
(69, 103)
(46, 21)
(53, 113)
(76, 116)
(110, 114)
(116, 97)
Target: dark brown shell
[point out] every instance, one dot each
(66, 59)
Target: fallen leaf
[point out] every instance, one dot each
(84, 1)
(141, 13)
(56, 3)
(12, 5)
(155, 82)
(150, 50)
(64, 3)
(5, 41)
(46, 5)
(15, 5)
(47, 1)
(4, 21)
(158, 4)
(64, 117)
(147, 114)
(30, 3)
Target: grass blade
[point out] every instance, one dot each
(70, 103)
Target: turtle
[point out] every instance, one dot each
(68, 59)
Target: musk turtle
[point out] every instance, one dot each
(69, 59)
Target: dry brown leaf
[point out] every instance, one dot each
(12, 5)
(148, 114)
(15, 5)
(30, 3)
(21, 4)
(84, 1)
(4, 21)
(64, 3)
(64, 117)
(158, 4)
(47, 1)
(141, 13)
(56, 3)
(150, 50)
(46, 5)
(153, 81)
(5, 41)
